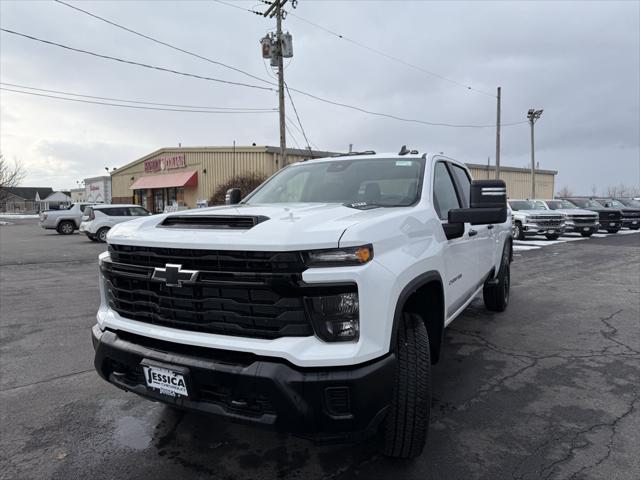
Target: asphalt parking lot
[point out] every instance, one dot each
(548, 389)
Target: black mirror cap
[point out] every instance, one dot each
(478, 216)
(488, 194)
(232, 197)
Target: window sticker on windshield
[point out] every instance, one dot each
(404, 163)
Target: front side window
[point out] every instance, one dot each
(376, 182)
(444, 193)
(464, 183)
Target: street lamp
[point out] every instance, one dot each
(533, 116)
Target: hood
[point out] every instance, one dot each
(571, 212)
(538, 213)
(281, 227)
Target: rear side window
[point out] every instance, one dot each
(444, 192)
(138, 212)
(115, 212)
(464, 183)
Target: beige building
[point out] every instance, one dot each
(518, 180)
(187, 176)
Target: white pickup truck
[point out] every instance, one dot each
(317, 305)
(65, 221)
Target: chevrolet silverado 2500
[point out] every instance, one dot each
(316, 305)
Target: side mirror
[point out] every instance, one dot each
(232, 197)
(488, 204)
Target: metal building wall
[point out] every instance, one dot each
(518, 180)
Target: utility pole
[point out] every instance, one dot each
(533, 116)
(498, 135)
(276, 48)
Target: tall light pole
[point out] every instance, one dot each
(533, 116)
(498, 97)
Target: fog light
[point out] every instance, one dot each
(335, 317)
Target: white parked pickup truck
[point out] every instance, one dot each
(65, 221)
(317, 305)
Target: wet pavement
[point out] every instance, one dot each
(548, 389)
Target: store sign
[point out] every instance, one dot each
(165, 163)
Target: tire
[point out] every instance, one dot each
(496, 294)
(586, 234)
(518, 233)
(552, 237)
(101, 234)
(92, 238)
(612, 230)
(407, 423)
(66, 227)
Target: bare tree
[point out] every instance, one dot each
(564, 192)
(622, 191)
(594, 190)
(10, 175)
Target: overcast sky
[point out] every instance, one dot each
(580, 61)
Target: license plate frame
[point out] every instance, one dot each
(169, 380)
(612, 224)
(586, 229)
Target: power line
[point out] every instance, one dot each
(128, 106)
(202, 77)
(130, 30)
(291, 133)
(297, 116)
(139, 101)
(131, 62)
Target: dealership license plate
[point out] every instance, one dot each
(551, 231)
(612, 224)
(634, 222)
(166, 381)
(586, 229)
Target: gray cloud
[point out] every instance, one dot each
(580, 61)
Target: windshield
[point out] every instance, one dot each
(523, 205)
(615, 203)
(379, 182)
(556, 204)
(630, 202)
(586, 203)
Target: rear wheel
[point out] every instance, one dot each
(407, 423)
(66, 227)
(101, 234)
(496, 290)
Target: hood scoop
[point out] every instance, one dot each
(214, 222)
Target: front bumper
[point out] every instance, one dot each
(631, 222)
(580, 227)
(323, 403)
(611, 225)
(535, 229)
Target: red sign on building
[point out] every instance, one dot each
(165, 163)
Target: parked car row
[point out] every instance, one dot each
(92, 219)
(586, 216)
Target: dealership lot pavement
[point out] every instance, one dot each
(549, 389)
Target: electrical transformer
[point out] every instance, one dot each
(268, 47)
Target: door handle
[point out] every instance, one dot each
(472, 233)
(489, 227)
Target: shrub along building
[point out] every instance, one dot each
(189, 176)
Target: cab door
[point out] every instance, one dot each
(459, 251)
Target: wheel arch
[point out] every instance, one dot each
(423, 295)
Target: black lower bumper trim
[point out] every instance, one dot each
(323, 403)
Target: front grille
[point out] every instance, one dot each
(583, 219)
(248, 294)
(547, 221)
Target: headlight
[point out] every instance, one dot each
(339, 257)
(336, 318)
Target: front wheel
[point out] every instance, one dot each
(407, 423)
(586, 234)
(552, 237)
(518, 233)
(612, 230)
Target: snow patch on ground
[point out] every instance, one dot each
(537, 242)
(5, 223)
(18, 216)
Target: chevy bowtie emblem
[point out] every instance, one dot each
(173, 275)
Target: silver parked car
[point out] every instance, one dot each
(584, 222)
(65, 221)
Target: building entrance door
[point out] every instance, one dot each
(158, 201)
